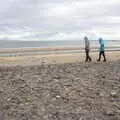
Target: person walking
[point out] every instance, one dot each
(102, 50)
(87, 49)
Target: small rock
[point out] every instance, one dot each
(78, 109)
(56, 80)
(103, 76)
(21, 105)
(101, 94)
(8, 99)
(110, 113)
(81, 118)
(57, 96)
(57, 77)
(1, 90)
(27, 103)
(113, 93)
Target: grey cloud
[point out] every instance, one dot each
(31, 16)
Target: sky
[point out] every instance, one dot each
(59, 19)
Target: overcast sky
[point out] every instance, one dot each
(59, 19)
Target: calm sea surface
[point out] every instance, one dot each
(113, 45)
(33, 44)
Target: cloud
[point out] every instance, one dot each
(59, 19)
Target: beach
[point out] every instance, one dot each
(60, 60)
(60, 87)
(51, 58)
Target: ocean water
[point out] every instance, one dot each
(111, 45)
(33, 44)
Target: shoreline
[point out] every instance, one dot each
(15, 52)
(54, 58)
(64, 47)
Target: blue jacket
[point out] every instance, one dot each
(101, 42)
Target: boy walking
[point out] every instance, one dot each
(102, 50)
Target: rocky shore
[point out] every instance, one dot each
(70, 91)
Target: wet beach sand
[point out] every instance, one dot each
(29, 60)
(60, 87)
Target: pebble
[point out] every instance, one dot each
(103, 76)
(22, 104)
(110, 113)
(57, 96)
(101, 94)
(1, 90)
(81, 118)
(8, 99)
(113, 93)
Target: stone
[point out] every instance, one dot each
(110, 113)
(1, 90)
(8, 99)
(113, 93)
(101, 95)
(57, 96)
(103, 76)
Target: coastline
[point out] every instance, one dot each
(16, 52)
(54, 58)
(55, 48)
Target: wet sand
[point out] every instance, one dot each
(11, 50)
(46, 50)
(60, 87)
(54, 58)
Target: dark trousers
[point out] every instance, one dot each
(103, 54)
(87, 56)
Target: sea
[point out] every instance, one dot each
(113, 45)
